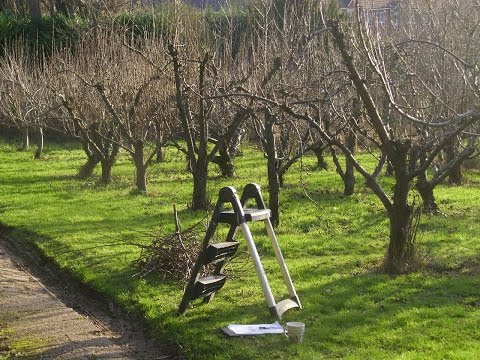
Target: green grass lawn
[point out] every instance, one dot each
(332, 244)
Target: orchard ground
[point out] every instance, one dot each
(333, 247)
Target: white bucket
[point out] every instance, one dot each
(295, 331)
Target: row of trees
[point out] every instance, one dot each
(36, 8)
(303, 78)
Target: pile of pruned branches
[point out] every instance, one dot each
(172, 255)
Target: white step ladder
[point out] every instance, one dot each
(217, 253)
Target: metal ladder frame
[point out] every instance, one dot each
(238, 217)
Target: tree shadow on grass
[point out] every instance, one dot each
(36, 179)
(370, 312)
(376, 304)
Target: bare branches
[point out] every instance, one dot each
(359, 84)
(439, 46)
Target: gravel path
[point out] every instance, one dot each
(37, 320)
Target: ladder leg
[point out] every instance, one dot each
(281, 262)
(267, 291)
(189, 288)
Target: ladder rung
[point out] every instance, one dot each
(220, 251)
(230, 217)
(207, 285)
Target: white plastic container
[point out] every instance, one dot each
(295, 331)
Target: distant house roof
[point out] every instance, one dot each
(344, 3)
(203, 3)
(197, 3)
(379, 4)
(369, 4)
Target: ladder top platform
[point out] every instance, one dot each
(230, 217)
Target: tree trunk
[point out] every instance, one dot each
(140, 167)
(389, 169)
(425, 189)
(25, 138)
(349, 176)
(319, 153)
(235, 142)
(39, 150)
(225, 162)
(199, 197)
(107, 165)
(160, 156)
(455, 176)
(281, 177)
(109, 154)
(86, 170)
(401, 247)
(189, 165)
(273, 192)
(349, 182)
(272, 170)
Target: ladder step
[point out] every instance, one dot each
(230, 217)
(207, 285)
(220, 251)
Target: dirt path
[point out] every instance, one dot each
(37, 320)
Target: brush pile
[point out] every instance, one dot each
(173, 255)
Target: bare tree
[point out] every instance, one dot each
(283, 142)
(112, 99)
(135, 99)
(408, 157)
(195, 110)
(442, 83)
(24, 101)
(204, 76)
(398, 107)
